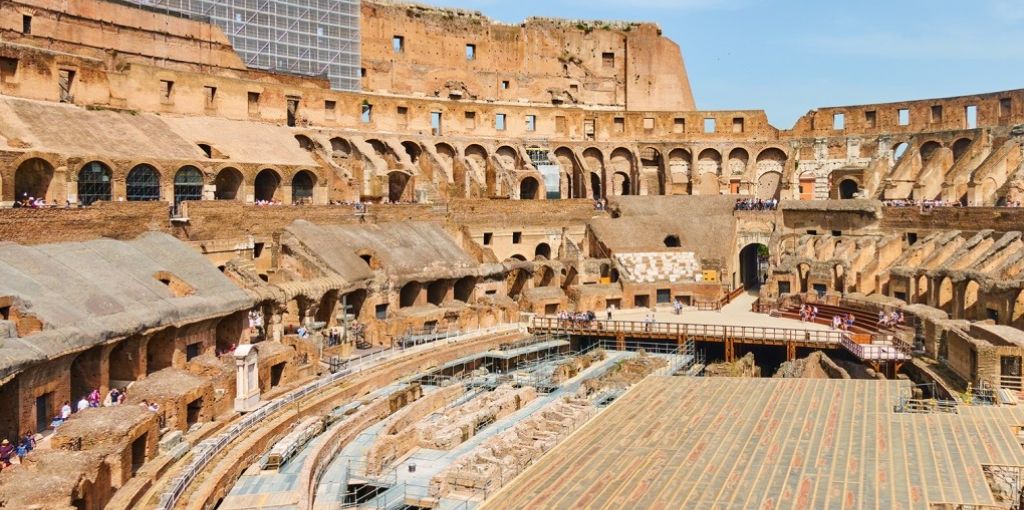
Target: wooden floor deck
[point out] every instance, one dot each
(696, 443)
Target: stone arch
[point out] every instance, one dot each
(398, 183)
(709, 161)
(621, 162)
(593, 160)
(771, 159)
(437, 292)
(751, 262)
(267, 185)
(944, 297)
(409, 294)
(806, 182)
(477, 153)
(508, 156)
(303, 183)
(528, 188)
(340, 148)
(379, 147)
(94, 183)
(188, 184)
(922, 289)
(738, 160)
(543, 252)
(620, 184)
(898, 151)
(960, 148)
(306, 143)
(228, 185)
(971, 291)
(32, 178)
(570, 172)
(142, 183)
(680, 162)
(414, 151)
(463, 288)
(848, 188)
(803, 271)
(928, 149)
(446, 157)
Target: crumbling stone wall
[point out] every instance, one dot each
(456, 425)
(399, 436)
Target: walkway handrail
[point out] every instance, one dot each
(687, 329)
(208, 449)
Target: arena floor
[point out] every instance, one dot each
(770, 443)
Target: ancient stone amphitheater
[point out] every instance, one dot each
(516, 268)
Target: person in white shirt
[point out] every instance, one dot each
(65, 410)
(83, 404)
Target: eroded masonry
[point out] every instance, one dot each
(516, 268)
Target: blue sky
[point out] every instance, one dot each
(789, 56)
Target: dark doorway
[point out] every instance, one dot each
(753, 260)
(138, 453)
(266, 184)
(276, 372)
(193, 411)
(43, 406)
(848, 189)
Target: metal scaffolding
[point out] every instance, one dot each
(307, 37)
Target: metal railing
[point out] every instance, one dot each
(686, 330)
(892, 349)
(206, 450)
(1011, 382)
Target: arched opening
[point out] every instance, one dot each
(803, 271)
(839, 277)
(807, 181)
(672, 241)
(754, 265)
(508, 157)
(769, 186)
(353, 302)
(464, 288)
(306, 142)
(543, 252)
(142, 184)
(738, 159)
(188, 185)
(928, 150)
(413, 150)
(679, 163)
(621, 163)
(613, 276)
(32, 179)
(596, 190)
(518, 257)
(124, 363)
(85, 373)
(228, 185)
(960, 148)
(922, 290)
(620, 184)
(971, 300)
(945, 297)
(528, 188)
(302, 187)
(93, 183)
(397, 182)
(898, 151)
(266, 185)
(848, 188)
(437, 291)
(409, 294)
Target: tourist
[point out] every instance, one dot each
(56, 422)
(65, 410)
(849, 321)
(6, 452)
(94, 397)
(122, 395)
(153, 406)
(84, 403)
(677, 305)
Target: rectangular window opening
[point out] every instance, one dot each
(870, 118)
(499, 121)
(936, 114)
(678, 125)
(8, 69)
(470, 120)
(26, 24)
(1005, 106)
(620, 124)
(608, 59)
(488, 236)
(504, 84)
(648, 124)
(292, 106)
(398, 44)
(531, 122)
(838, 121)
(366, 113)
(560, 124)
(329, 108)
(435, 123)
(470, 52)
(737, 125)
(66, 80)
(517, 237)
(254, 103)
(971, 116)
(210, 95)
(709, 125)
(903, 116)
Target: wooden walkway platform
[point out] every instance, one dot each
(725, 443)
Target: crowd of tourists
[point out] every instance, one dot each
(843, 321)
(10, 451)
(933, 204)
(38, 203)
(808, 313)
(576, 319)
(890, 320)
(600, 204)
(756, 204)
